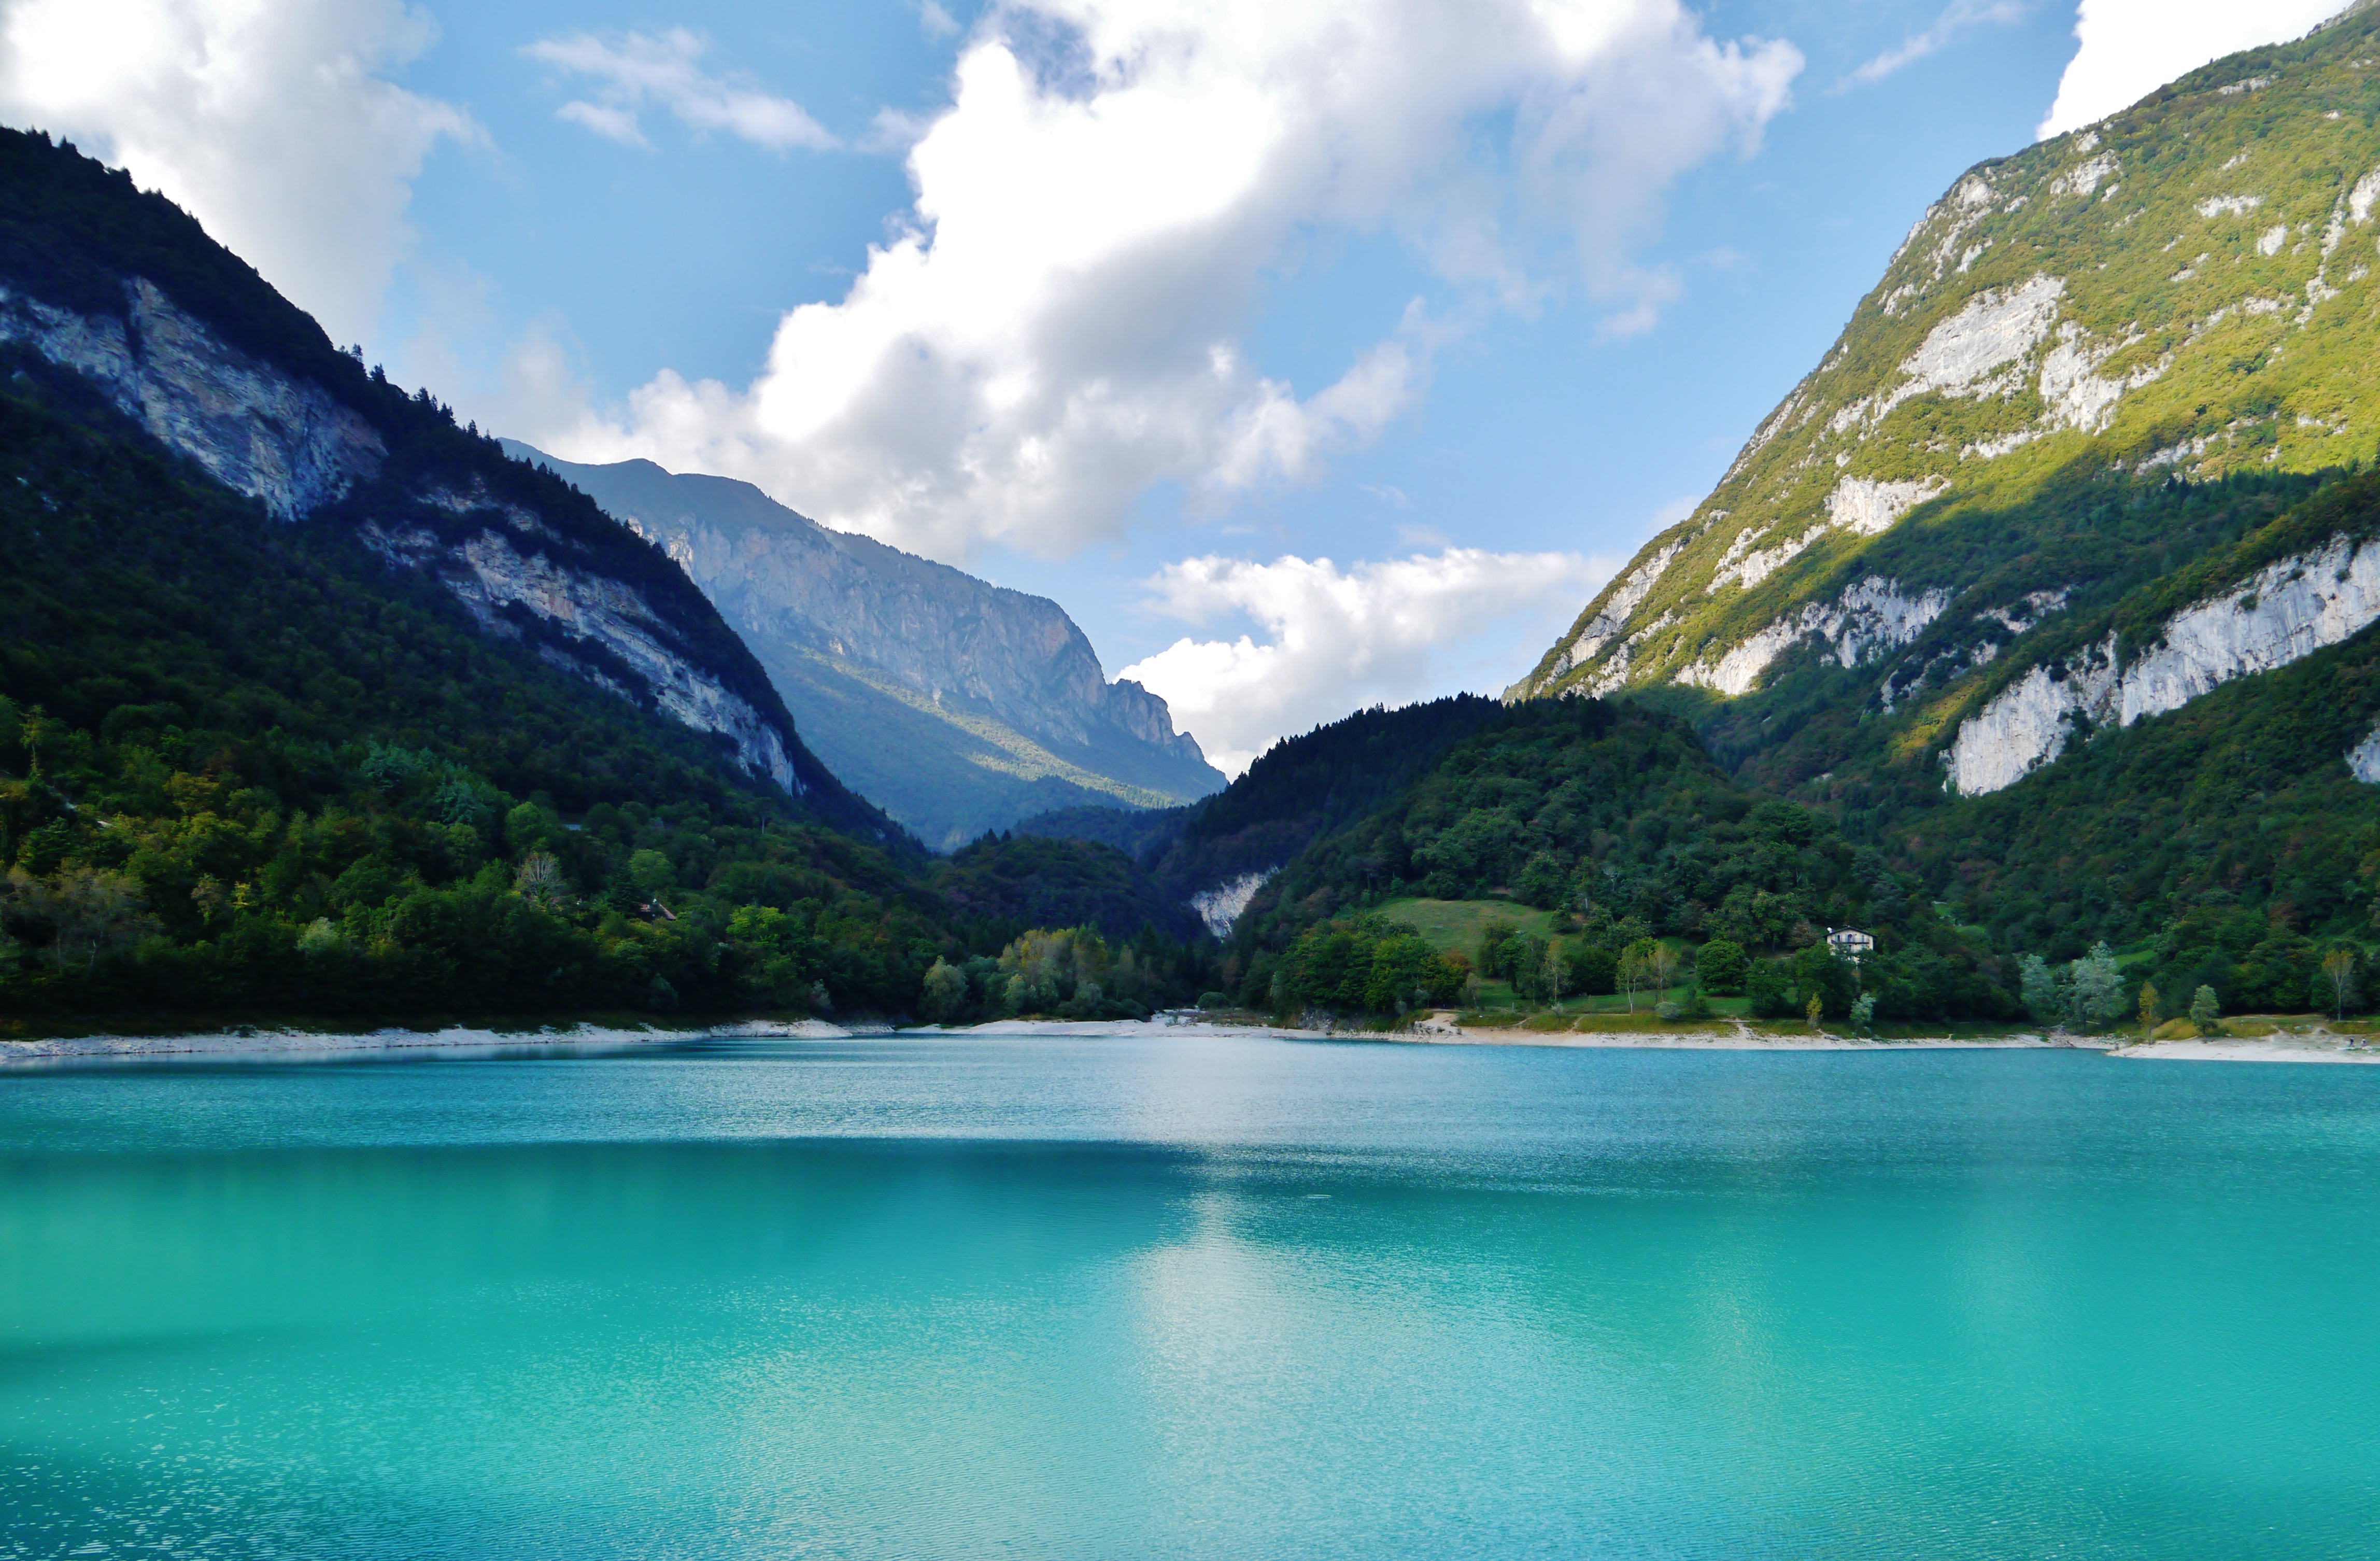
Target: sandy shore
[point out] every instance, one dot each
(261, 1043)
(2320, 1046)
(1179, 1025)
(1722, 1038)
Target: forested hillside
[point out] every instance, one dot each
(2054, 581)
(1301, 786)
(126, 292)
(1619, 817)
(257, 771)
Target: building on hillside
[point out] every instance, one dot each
(1849, 943)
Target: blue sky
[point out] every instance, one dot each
(1311, 353)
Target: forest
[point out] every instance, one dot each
(1618, 818)
(247, 770)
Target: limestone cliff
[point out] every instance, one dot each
(959, 705)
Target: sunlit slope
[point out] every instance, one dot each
(2097, 378)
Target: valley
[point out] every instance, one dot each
(2029, 637)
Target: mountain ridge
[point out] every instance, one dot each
(960, 705)
(2025, 326)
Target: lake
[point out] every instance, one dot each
(1197, 1297)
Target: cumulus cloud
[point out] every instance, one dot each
(1334, 641)
(2128, 48)
(1960, 16)
(635, 71)
(269, 119)
(1059, 323)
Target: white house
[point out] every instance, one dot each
(1849, 943)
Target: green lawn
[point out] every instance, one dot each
(1453, 925)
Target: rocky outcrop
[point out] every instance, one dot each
(1604, 618)
(2288, 610)
(1225, 903)
(266, 434)
(1869, 618)
(2027, 725)
(2363, 759)
(599, 626)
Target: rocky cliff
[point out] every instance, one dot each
(959, 705)
(126, 291)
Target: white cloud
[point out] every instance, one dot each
(2131, 47)
(1959, 17)
(267, 119)
(1059, 324)
(637, 70)
(1334, 642)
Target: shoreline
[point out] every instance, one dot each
(2313, 1046)
(1734, 1037)
(257, 1041)
(2316, 1046)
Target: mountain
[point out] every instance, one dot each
(126, 291)
(314, 707)
(959, 705)
(2078, 472)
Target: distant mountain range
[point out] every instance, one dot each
(958, 705)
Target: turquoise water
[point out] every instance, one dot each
(1195, 1298)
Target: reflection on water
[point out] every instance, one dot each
(1195, 1297)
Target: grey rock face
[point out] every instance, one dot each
(295, 448)
(956, 646)
(274, 438)
(488, 574)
